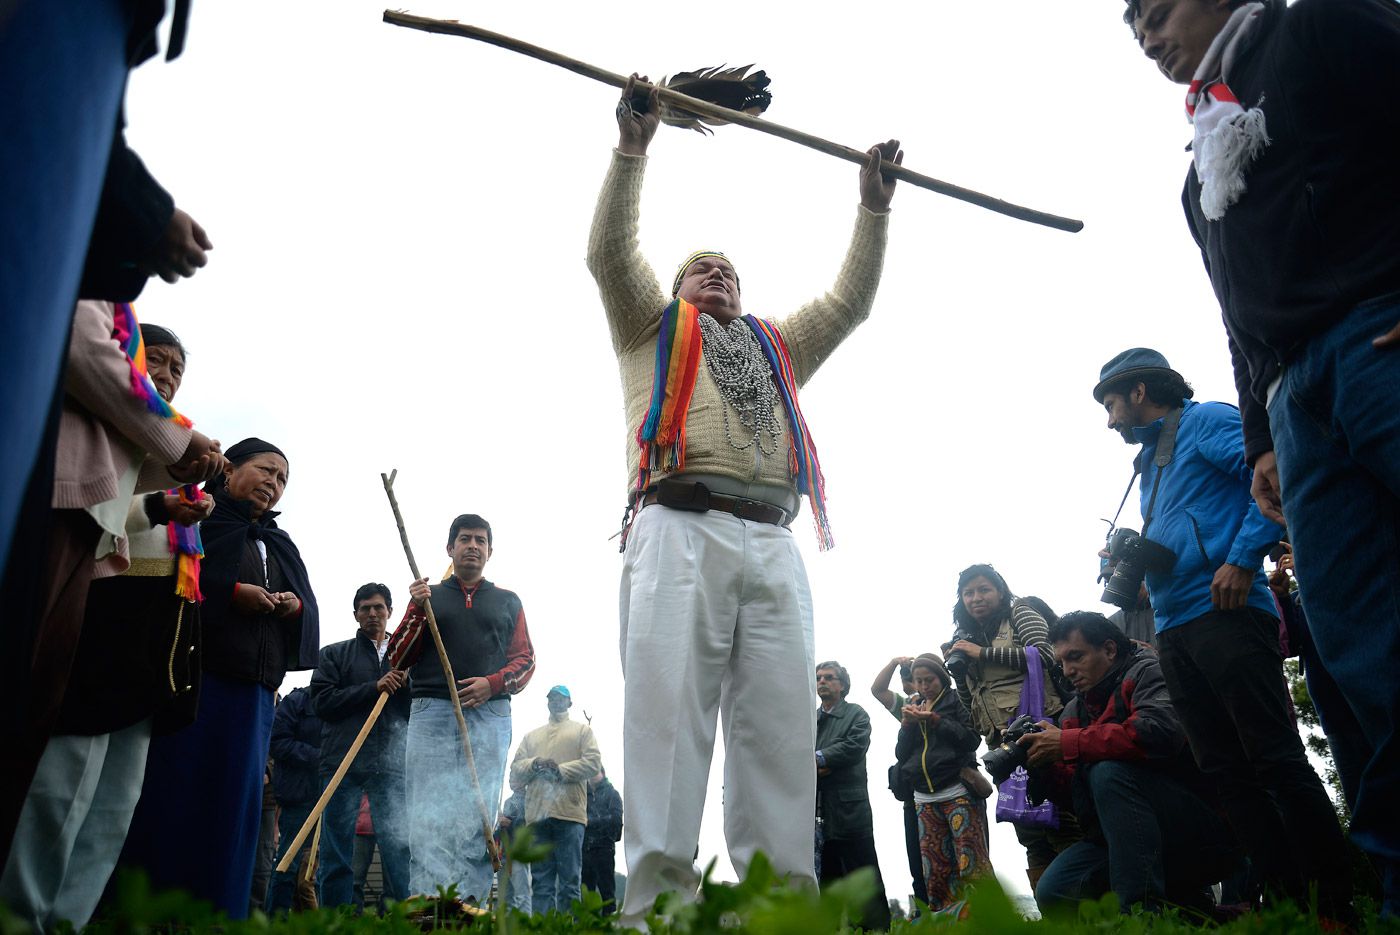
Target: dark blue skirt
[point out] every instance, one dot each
(196, 826)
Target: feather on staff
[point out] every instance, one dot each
(716, 114)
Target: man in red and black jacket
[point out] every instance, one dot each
(1119, 761)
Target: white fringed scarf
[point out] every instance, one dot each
(1228, 137)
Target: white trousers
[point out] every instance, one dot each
(73, 824)
(716, 616)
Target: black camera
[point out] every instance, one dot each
(957, 662)
(1132, 556)
(1002, 761)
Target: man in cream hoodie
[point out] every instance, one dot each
(553, 765)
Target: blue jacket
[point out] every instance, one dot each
(1204, 513)
(296, 749)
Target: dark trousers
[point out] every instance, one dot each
(916, 859)
(1337, 437)
(1160, 842)
(283, 886)
(360, 862)
(599, 865)
(65, 65)
(63, 588)
(1225, 677)
(387, 808)
(847, 855)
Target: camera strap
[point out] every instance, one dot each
(1166, 449)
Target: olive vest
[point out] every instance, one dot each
(996, 689)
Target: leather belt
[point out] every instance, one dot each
(697, 498)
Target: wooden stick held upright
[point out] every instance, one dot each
(487, 820)
(707, 109)
(285, 863)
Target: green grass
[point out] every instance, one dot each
(758, 905)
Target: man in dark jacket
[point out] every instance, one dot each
(1294, 201)
(296, 751)
(1120, 763)
(601, 835)
(845, 827)
(344, 689)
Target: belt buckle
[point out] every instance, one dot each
(744, 508)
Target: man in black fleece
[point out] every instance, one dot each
(347, 683)
(1294, 200)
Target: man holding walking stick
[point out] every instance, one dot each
(488, 647)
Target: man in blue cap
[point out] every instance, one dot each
(552, 766)
(1217, 628)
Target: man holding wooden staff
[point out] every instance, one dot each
(488, 646)
(348, 680)
(715, 608)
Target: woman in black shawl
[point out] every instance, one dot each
(196, 827)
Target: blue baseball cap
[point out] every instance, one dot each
(560, 690)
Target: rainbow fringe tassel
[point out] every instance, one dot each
(187, 547)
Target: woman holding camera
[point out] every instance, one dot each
(936, 748)
(988, 658)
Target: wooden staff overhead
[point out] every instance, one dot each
(727, 115)
(487, 819)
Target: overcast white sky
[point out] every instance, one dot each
(400, 222)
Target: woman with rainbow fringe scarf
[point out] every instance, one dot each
(117, 433)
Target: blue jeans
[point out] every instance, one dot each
(557, 878)
(289, 822)
(1161, 842)
(386, 806)
(1336, 431)
(64, 68)
(445, 835)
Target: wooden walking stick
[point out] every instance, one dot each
(487, 819)
(286, 862)
(716, 114)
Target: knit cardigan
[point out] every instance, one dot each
(105, 431)
(633, 301)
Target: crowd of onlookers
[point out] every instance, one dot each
(1088, 757)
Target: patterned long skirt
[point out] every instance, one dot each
(953, 841)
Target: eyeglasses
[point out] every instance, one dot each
(827, 678)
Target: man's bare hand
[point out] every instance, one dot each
(636, 129)
(1265, 488)
(1229, 589)
(288, 604)
(1390, 339)
(1043, 748)
(251, 600)
(876, 190)
(180, 250)
(473, 692)
(391, 681)
(420, 591)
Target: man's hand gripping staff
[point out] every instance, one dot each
(392, 682)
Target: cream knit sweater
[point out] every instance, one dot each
(633, 300)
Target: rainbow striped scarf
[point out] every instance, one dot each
(187, 547)
(662, 432)
(127, 332)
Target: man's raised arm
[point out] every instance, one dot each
(814, 331)
(631, 295)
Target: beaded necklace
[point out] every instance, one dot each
(745, 380)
